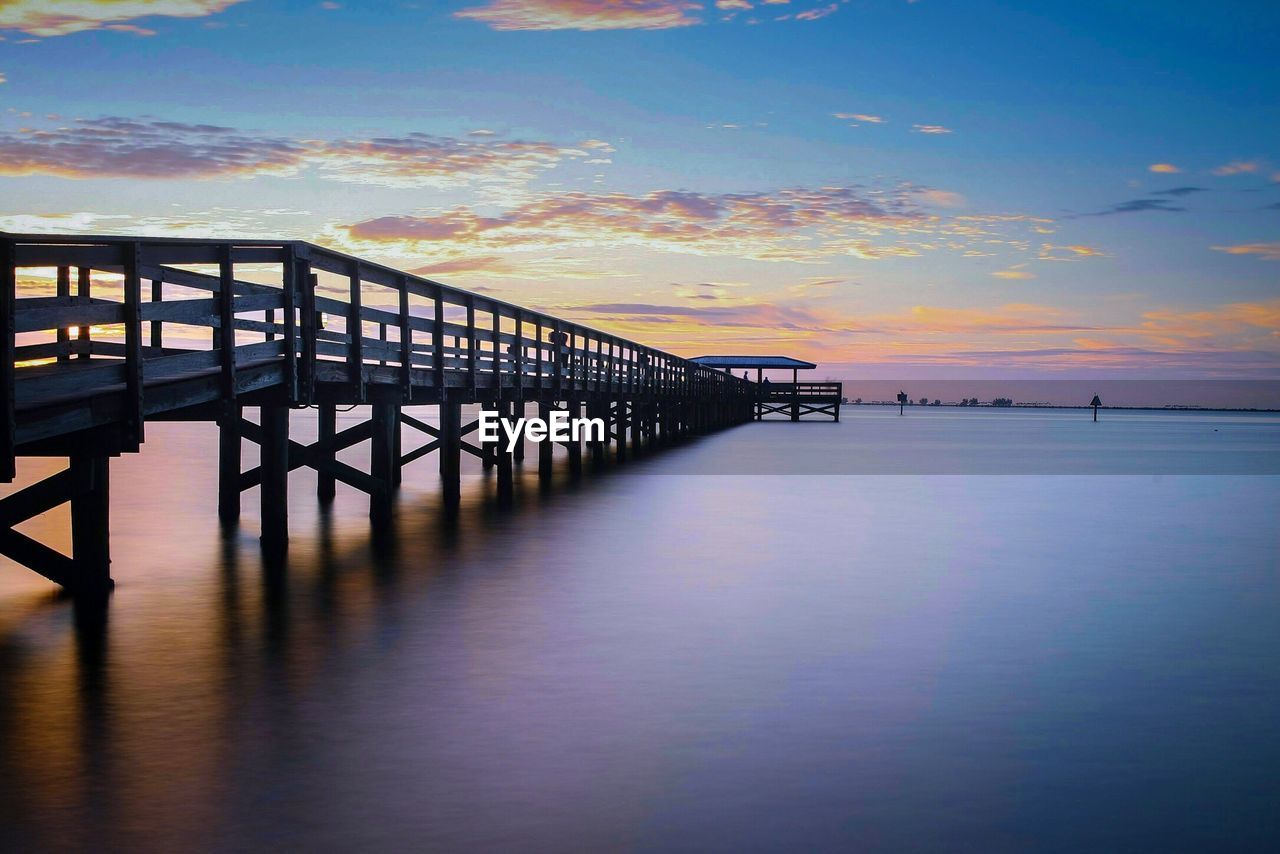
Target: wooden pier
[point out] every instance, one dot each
(201, 330)
(793, 399)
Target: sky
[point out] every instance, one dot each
(944, 188)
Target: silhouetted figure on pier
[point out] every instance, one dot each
(560, 340)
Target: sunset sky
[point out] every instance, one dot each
(960, 188)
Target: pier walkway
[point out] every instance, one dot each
(139, 330)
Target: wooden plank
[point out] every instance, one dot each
(36, 556)
(83, 382)
(82, 315)
(35, 499)
(421, 426)
(72, 256)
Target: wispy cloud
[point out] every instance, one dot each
(864, 118)
(62, 17)
(793, 224)
(1237, 167)
(1163, 168)
(1137, 206)
(1072, 252)
(116, 147)
(1265, 251)
(584, 14)
(1016, 272)
(931, 129)
(818, 13)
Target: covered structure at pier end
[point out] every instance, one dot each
(794, 399)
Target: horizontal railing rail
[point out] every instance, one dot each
(314, 309)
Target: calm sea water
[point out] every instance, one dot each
(675, 657)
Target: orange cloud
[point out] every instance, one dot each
(1050, 252)
(584, 14)
(1265, 251)
(1163, 168)
(1237, 167)
(1241, 320)
(48, 18)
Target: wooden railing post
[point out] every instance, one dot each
(310, 324)
(497, 350)
(157, 326)
(225, 334)
(472, 343)
(8, 297)
(406, 341)
(133, 344)
(557, 358)
(537, 332)
(84, 290)
(518, 350)
(64, 293)
(355, 331)
(437, 346)
(290, 281)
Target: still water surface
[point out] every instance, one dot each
(674, 661)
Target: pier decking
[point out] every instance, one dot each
(203, 329)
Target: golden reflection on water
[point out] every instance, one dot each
(115, 718)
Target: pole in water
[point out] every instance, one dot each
(902, 401)
(1095, 403)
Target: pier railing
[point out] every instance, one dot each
(126, 313)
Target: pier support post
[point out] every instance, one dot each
(575, 442)
(545, 448)
(599, 447)
(229, 464)
(328, 426)
(383, 462)
(620, 428)
(451, 452)
(517, 412)
(490, 457)
(502, 459)
(90, 524)
(275, 477)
